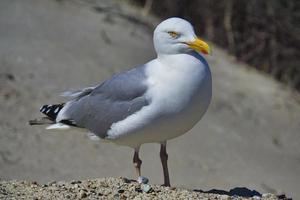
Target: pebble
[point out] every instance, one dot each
(143, 179)
(93, 191)
(116, 196)
(82, 194)
(34, 182)
(138, 190)
(121, 191)
(223, 197)
(267, 195)
(99, 194)
(146, 188)
(282, 196)
(52, 183)
(125, 180)
(75, 181)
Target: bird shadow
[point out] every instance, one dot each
(237, 191)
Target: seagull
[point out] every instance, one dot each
(151, 103)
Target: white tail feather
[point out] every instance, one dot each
(58, 126)
(64, 127)
(92, 136)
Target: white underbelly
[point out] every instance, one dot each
(170, 125)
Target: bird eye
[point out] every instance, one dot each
(173, 34)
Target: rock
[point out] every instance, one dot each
(116, 196)
(223, 197)
(256, 197)
(121, 191)
(146, 188)
(74, 182)
(82, 194)
(52, 183)
(143, 179)
(126, 180)
(266, 195)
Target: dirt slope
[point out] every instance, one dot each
(249, 137)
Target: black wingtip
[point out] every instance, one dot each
(51, 110)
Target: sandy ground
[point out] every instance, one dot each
(249, 137)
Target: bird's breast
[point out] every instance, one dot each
(174, 86)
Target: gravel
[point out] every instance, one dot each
(107, 188)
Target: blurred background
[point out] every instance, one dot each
(264, 34)
(250, 136)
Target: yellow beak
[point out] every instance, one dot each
(199, 45)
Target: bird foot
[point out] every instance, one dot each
(142, 180)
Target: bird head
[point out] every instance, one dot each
(175, 36)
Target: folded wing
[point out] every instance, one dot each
(97, 108)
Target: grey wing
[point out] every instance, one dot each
(98, 108)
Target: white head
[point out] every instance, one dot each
(175, 36)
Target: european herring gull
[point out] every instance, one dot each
(151, 103)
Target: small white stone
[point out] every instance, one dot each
(223, 197)
(146, 188)
(267, 195)
(142, 179)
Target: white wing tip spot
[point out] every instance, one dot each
(56, 110)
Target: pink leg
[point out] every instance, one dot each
(137, 162)
(164, 162)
